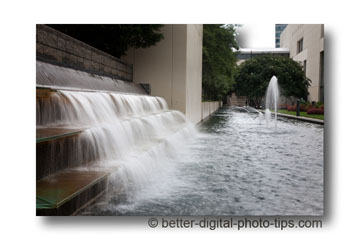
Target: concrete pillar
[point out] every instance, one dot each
(173, 68)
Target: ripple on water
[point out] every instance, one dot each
(235, 166)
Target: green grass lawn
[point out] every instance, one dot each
(302, 114)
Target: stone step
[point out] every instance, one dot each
(48, 134)
(238, 102)
(67, 192)
(43, 92)
(57, 149)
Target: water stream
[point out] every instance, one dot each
(162, 164)
(234, 166)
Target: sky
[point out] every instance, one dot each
(255, 35)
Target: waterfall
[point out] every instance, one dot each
(131, 135)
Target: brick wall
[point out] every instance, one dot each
(57, 48)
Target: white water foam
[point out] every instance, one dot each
(131, 135)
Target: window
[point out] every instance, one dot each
(304, 67)
(300, 46)
(321, 89)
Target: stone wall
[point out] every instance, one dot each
(57, 48)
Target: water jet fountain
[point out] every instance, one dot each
(271, 100)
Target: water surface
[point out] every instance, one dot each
(234, 165)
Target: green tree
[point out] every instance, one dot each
(254, 75)
(114, 39)
(219, 60)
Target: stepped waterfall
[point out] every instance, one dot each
(129, 135)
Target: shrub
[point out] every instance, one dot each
(315, 111)
(319, 104)
(303, 108)
(283, 106)
(291, 108)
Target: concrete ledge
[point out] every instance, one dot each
(54, 76)
(58, 149)
(66, 193)
(305, 119)
(208, 108)
(49, 134)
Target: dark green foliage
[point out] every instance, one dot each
(114, 39)
(254, 75)
(319, 104)
(219, 60)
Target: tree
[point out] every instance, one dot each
(114, 39)
(254, 75)
(219, 60)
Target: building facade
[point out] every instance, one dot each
(306, 45)
(278, 30)
(248, 53)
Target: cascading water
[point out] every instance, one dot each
(271, 100)
(159, 168)
(126, 134)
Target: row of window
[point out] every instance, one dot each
(278, 30)
(300, 45)
(280, 27)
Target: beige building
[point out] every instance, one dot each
(306, 45)
(173, 68)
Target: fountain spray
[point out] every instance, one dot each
(271, 100)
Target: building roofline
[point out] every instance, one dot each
(263, 50)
